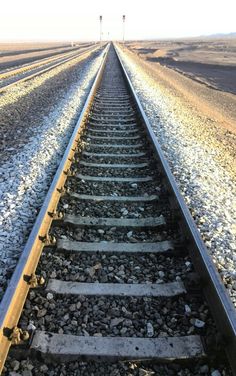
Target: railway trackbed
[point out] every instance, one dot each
(26, 72)
(115, 268)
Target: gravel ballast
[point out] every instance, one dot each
(27, 171)
(116, 316)
(92, 368)
(198, 162)
(94, 314)
(121, 268)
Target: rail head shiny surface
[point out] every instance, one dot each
(14, 298)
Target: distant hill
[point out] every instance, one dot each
(221, 35)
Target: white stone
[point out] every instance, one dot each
(129, 234)
(198, 323)
(49, 296)
(216, 373)
(150, 330)
(31, 326)
(187, 309)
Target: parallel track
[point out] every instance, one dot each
(29, 71)
(114, 198)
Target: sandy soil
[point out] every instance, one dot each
(12, 55)
(216, 105)
(210, 61)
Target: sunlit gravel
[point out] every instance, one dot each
(26, 176)
(193, 153)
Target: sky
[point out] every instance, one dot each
(145, 19)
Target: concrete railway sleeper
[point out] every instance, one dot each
(115, 269)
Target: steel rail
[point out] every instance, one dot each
(220, 304)
(81, 55)
(27, 61)
(14, 298)
(215, 292)
(8, 73)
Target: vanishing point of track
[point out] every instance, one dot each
(113, 197)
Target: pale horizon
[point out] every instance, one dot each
(117, 40)
(48, 21)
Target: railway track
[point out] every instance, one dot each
(114, 268)
(26, 72)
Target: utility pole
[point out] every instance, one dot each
(100, 29)
(123, 28)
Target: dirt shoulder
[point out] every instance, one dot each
(214, 111)
(217, 105)
(211, 61)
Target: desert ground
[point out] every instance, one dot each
(211, 61)
(201, 71)
(14, 54)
